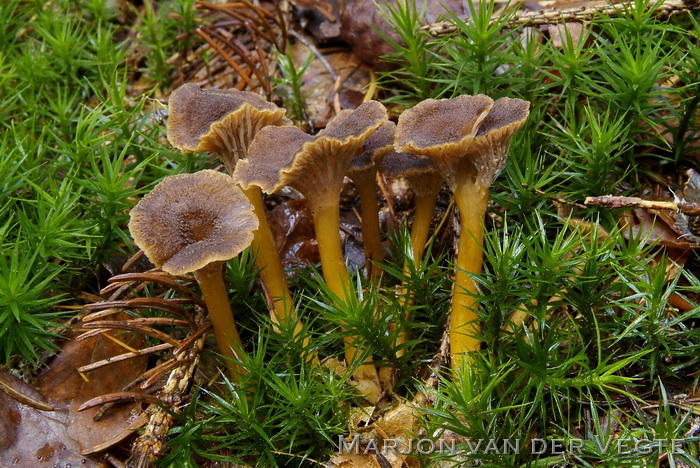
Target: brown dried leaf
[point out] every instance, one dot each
(74, 391)
(302, 254)
(352, 460)
(59, 437)
(558, 33)
(293, 229)
(320, 86)
(31, 437)
(652, 228)
(387, 443)
(291, 222)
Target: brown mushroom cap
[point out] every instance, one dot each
(191, 220)
(315, 166)
(220, 121)
(375, 148)
(272, 150)
(404, 164)
(419, 170)
(442, 129)
(492, 141)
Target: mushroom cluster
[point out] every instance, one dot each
(195, 222)
(316, 166)
(225, 123)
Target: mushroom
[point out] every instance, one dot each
(225, 122)
(426, 183)
(316, 166)
(468, 140)
(193, 223)
(363, 171)
(218, 121)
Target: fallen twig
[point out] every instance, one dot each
(611, 201)
(573, 15)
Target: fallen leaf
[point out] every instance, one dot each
(62, 384)
(652, 229)
(35, 438)
(291, 222)
(559, 32)
(59, 437)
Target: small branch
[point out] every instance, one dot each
(573, 15)
(118, 398)
(610, 201)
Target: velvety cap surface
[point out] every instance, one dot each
(505, 115)
(192, 111)
(492, 142)
(443, 130)
(191, 220)
(315, 166)
(406, 164)
(375, 148)
(439, 122)
(273, 149)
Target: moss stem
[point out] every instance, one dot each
(420, 231)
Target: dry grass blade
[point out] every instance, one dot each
(104, 309)
(118, 398)
(162, 279)
(24, 398)
(244, 54)
(251, 31)
(166, 305)
(132, 325)
(125, 356)
(226, 57)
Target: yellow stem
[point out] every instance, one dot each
(471, 200)
(211, 282)
(371, 236)
(271, 271)
(420, 231)
(327, 224)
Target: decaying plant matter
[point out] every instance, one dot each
(246, 38)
